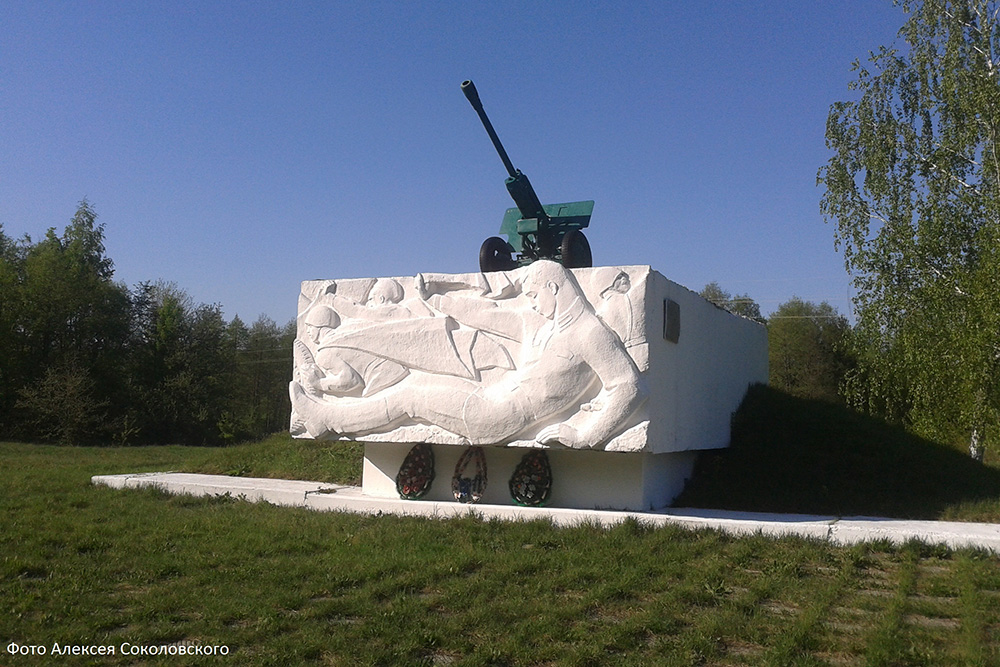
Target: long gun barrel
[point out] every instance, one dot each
(472, 95)
(517, 183)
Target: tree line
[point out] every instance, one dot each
(809, 352)
(88, 360)
(912, 188)
(85, 359)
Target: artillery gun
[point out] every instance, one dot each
(533, 231)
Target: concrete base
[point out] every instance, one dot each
(333, 497)
(580, 479)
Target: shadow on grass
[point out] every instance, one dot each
(804, 456)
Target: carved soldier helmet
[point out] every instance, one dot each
(322, 316)
(385, 290)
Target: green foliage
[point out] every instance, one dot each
(738, 304)
(806, 349)
(63, 406)
(263, 363)
(86, 360)
(201, 380)
(11, 258)
(61, 314)
(913, 186)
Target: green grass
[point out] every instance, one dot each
(86, 565)
(83, 564)
(284, 457)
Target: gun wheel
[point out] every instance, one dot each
(496, 255)
(575, 250)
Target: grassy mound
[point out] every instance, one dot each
(801, 456)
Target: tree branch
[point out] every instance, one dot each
(952, 176)
(940, 274)
(996, 159)
(986, 22)
(940, 146)
(873, 214)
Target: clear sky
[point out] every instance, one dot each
(238, 148)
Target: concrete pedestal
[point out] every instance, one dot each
(619, 374)
(580, 480)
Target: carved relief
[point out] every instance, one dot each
(618, 306)
(490, 358)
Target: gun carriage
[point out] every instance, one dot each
(533, 231)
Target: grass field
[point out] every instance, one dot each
(86, 565)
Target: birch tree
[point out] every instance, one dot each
(913, 188)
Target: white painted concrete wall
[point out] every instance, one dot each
(580, 479)
(693, 370)
(691, 386)
(697, 383)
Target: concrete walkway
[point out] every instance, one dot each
(332, 497)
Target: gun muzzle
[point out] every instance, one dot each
(472, 94)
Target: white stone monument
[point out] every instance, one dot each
(616, 373)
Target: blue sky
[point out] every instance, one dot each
(238, 148)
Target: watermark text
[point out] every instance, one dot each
(125, 648)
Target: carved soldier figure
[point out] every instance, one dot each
(565, 354)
